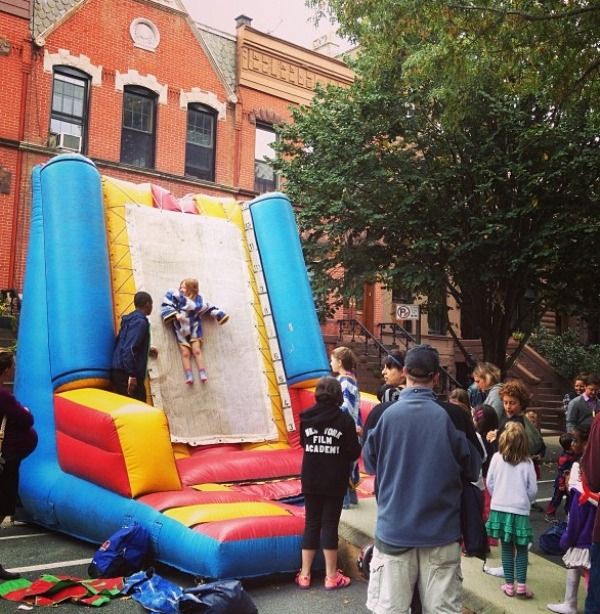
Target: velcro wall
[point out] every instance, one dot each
(153, 248)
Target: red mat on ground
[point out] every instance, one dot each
(50, 590)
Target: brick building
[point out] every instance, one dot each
(147, 94)
(151, 96)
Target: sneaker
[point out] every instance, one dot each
(338, 581)
(189, 378)
(551, 519)
(302, 581)
(498, 572)
(203, 376)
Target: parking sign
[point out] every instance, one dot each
(407, 312)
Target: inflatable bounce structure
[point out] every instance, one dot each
(209, 469)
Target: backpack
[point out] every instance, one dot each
(123, 553)
(550, 539)
(364, 560)
(472, 526)
(220, 597)
(534, 438)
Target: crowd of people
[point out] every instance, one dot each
(484, 438)
(486, 444)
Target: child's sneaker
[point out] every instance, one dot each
(338, 581)
(302, 581)
(203, 376)
(189, 377)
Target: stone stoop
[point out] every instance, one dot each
(546, 385)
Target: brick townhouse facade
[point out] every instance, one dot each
(151, 96)
(147, 94)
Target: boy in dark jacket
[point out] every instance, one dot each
(563, 467)
(328, 436)
(130, 356)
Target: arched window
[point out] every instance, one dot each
(69, 113)
(200, 142)
(138, 133)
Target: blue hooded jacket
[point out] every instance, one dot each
(133, 341)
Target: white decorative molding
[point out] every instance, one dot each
(64, 58)
(133, 77)
(208, 98)
(144, 34)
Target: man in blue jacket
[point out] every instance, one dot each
(419, 458)
(130, 356)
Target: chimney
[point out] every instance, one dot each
(243, 20)
(326, 45)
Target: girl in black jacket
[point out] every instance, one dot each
(330, 444)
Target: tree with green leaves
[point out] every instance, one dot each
(458, 163)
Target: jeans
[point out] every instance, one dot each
(592, 601)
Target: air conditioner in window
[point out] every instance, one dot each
(68, 142)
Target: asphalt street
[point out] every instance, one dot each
(34, 551)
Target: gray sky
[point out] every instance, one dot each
(286, 19)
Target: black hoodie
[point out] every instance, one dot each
(328, 436)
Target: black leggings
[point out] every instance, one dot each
(9, 487)
(322, 520)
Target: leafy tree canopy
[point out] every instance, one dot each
(458, 162)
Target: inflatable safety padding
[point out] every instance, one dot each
(115, 442)
(191, 515)
(279, 489)
(252, 528)
(213, 449)
(188, 496)
(303, 398)
(240, 466)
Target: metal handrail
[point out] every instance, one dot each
(447, 381)
(369, 336)
(396, 331)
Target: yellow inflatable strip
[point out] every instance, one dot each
(211, 487)
(191, 515)
(118, 193)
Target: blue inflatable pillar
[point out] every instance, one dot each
(292, 303)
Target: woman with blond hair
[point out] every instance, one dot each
(487, 376)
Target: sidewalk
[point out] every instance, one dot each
(481, 591)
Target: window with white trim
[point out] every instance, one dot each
(138, 132)
(200, 142)
(69, 112)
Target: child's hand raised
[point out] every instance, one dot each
(491, 436)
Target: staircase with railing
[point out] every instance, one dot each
(371, 351)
